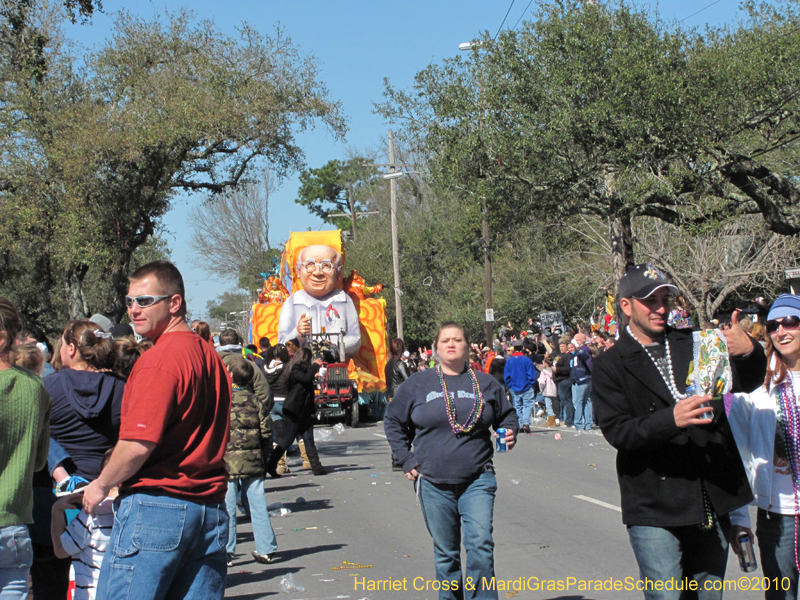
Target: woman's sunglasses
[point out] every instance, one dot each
(788, 323)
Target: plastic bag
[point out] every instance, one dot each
(288, 584)
(322, 435)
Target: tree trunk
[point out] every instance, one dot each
(73, 284)
(119, 278)
(621, 234)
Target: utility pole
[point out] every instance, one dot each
(395, 255)
(487, 267)
(487, 257)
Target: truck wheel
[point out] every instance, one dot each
(354, 414)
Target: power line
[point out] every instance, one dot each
(504, 19)
(523, 14)
(699, 11)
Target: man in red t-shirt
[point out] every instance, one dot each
(171, 524)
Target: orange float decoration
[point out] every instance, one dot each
(366, 364)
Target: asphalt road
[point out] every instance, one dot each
(556, 518)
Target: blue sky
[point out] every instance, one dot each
(357, 43)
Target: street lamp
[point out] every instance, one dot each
(397, 174)
(468, 46)
(236, 322)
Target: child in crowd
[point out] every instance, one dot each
(245, 458)
(85, 539)
(28, 357)
(128, 351)
(549, 390)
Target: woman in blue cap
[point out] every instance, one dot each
(766, 425)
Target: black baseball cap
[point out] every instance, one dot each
(642, 280)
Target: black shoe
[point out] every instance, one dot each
(264, 559)
(526, 429)
(230, 559)
(320, 470)
(273, 473)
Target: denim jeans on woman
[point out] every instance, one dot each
(164, 547)
(449, 508)
(776, 542)
(16, 558)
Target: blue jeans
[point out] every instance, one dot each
(567, 408)
(252, 488)
(16, 558)
(164, 547)
(582, 400)
(523, 404)
(540, 399)
(549, 402)
(447, 508)
(674, 553)
(277, 410)
(776, 539)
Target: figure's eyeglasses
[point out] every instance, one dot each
(144, 301)
(311, 265)
(792, 322)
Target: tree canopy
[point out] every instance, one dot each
(603, 109)
(92, 158)
(338, 187)
(231, 233)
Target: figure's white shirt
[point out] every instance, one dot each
(335, 312)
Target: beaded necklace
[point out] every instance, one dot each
(790, 423)
(450, 404)
(676, 395)
(708, 511)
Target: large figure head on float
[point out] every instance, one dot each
(321, 306)
(306, 294)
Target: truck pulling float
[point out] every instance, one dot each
(354, 381)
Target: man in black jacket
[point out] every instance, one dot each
(679, 473)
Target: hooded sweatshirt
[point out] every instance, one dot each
(85, 416)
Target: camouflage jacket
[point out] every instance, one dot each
(259, 385)
(251, 435)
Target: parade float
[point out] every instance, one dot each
(307, 300)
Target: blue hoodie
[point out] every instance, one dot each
(520, 374)
(85, 416)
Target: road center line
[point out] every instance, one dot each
(380, 435)
(599, 503)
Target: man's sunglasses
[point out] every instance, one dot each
(792, 322)
(144, 301)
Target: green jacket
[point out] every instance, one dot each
(251, 442)
(24, 441)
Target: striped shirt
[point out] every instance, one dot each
(86, 539)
